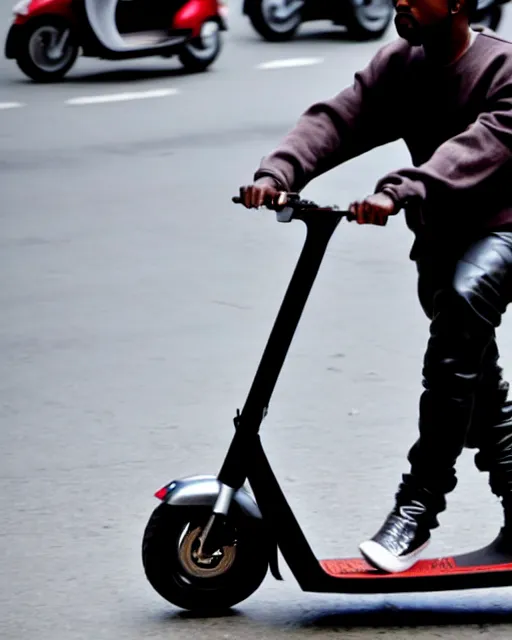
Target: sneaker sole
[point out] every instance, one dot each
(381, 558)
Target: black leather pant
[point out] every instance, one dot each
(464, 292)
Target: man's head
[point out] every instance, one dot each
(418, 21)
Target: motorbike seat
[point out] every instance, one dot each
(102, 18)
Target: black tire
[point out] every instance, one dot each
(166, 562)
(195, 57)
(24, 57)
(265, 30)
(369, 20)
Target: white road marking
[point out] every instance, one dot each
(122, 97)
(284, 63)
(289, 62)
(11, 105)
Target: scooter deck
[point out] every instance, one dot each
(485, 568)
(435, 568)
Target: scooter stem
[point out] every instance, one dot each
(320, 226)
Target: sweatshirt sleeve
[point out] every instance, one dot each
(465, 161)
(359, 118)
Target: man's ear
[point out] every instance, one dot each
(455, 6)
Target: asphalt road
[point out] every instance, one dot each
(136, 301)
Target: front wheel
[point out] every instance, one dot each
(201, 52)
(368, 19)
(47, 50)
(175, 570)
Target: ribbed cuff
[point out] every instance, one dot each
(263, 177)
(389, 191)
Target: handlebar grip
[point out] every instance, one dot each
(291, 199)
(296, 204)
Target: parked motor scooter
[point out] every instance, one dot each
(279, 20)
(47, 35)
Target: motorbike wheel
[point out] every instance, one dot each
(200, 53)
(262, 15)
(172, 567)
(490, 18)
(368, 19)
(47, 50)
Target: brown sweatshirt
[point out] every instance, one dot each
(456, 121)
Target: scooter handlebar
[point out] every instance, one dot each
(296, 205)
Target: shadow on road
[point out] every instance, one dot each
(113, 76)
(332, 35)
(305, 35)
(280, 619)
(403, 617)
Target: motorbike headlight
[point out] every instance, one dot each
(21, 8)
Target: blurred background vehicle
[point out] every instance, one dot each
(489, 13)
(47, 35)
(279, 20)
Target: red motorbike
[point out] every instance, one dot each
(47, 35)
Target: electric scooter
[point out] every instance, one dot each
(210, 542)
(47, 35)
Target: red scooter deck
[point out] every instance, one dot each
(434, 568)
(490, 566)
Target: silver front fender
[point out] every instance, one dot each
(203, 491)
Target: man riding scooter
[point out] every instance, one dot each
(446, 90)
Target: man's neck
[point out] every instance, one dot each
(452, 49)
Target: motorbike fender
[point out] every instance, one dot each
(195, 13)
(37, 8)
